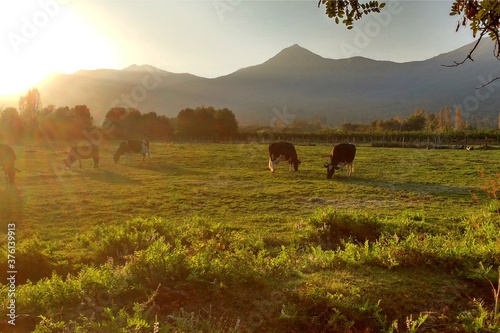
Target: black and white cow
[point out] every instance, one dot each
(79, 153)
(7, 162)
(129, 147)
(342, 153)
(283, 151)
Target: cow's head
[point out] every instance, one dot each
(330, 170)
(296, 165)
(68, 161)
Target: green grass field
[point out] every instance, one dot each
(230, 186)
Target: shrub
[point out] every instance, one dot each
(332, 228)
(34, 259)
(160, 263)
(120, 241)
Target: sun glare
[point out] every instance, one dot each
(48, 37)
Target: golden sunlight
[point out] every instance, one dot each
(46, 37)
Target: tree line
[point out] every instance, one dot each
(32, 121)
(421, 120)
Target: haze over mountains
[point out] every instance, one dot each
(294, 83)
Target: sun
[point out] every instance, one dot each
(44, 37)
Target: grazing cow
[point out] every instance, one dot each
(283, 151)
(7, 161)
(132, 146)
(342, 153)
(80, 153)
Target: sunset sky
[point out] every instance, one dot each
(207, 38)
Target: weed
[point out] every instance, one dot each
(411, 325)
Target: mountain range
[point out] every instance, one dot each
(294, 83)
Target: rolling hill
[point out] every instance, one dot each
(294, 82)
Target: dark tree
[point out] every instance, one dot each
(204, 122)
(225, 123)
(30, 107)
(11, 125)
(131, 124)
(113, 124)
(415, 122)
(186, 126)
(153, 126)
(81, 119)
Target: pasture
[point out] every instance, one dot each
(230, 188)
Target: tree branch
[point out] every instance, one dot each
(469, 56)
(484, 85)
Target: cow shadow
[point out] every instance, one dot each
(107, 176)
(173, 170)
(415, 187)
(11, 206)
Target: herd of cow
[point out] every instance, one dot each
(342, 154)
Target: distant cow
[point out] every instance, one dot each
(283, 151)
(80, 153)
(342, 153)
(7, 161)
(129, 147)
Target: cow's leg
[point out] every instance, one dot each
(271, 165)
(80, 161)
(96, 162)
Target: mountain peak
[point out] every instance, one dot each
(141, 68)
(294, 54)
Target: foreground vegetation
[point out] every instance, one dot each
(205, 239)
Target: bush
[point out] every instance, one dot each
(120, 241)
(332, 228)
(34, 259)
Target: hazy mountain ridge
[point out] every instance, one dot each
(295, 82)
